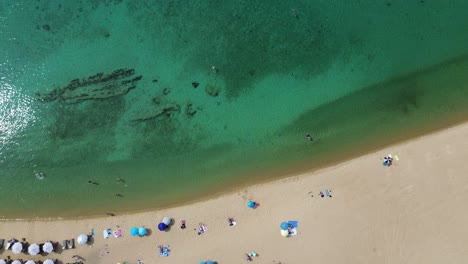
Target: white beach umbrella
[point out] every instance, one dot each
(82, 239)
(48, 247)
(33, 249)
(17, 248)
(2, 261)
(30, 262)
(285, 233)
(16, 262)
(48, 261)
(167, 221)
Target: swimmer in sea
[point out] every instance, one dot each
(309, 137)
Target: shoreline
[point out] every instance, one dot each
(394, 212)
(289, 172)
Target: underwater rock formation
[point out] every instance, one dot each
(98, 86)
(212, 90)
(167, 111)
(189, 110)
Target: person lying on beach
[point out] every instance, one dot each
(232, 221)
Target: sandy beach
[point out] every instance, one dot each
(411, 212)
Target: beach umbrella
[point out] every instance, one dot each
(16, 262)
(134, 231)
(17, 248)
(284, 233)
(162, 226)
(2, 261)
(142, 231)
(210, 262)
(33, 249)
(202, 262)
(48, 261)
(30, 262)
(167, 221)
(82, 239)
(284, 226)
(48, 247)
(251, 204)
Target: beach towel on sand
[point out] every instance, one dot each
(107, 232)
(163, 251)
(118, 233)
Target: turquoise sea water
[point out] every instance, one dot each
(356, 75)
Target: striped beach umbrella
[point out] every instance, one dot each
(17, 248)
(33, 249)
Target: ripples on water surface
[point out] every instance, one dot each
(174, 128)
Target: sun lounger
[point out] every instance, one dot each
(64, 244)
(71, 244)
(1, 243)
(10, 243)
(25, 246)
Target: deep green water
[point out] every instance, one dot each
(356, 75)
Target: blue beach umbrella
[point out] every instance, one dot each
(142, 231)
(134, 231)
(284, 226)
(162, 226)
(251, 204)
(210, 262)
(202, 262)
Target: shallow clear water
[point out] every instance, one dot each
(355, 75)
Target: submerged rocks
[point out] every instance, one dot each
(212, 90)
(195, 84)
(98, 86)
(46, 27)
(166, 111)
(189, 111)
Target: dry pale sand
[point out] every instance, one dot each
(412, 212)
